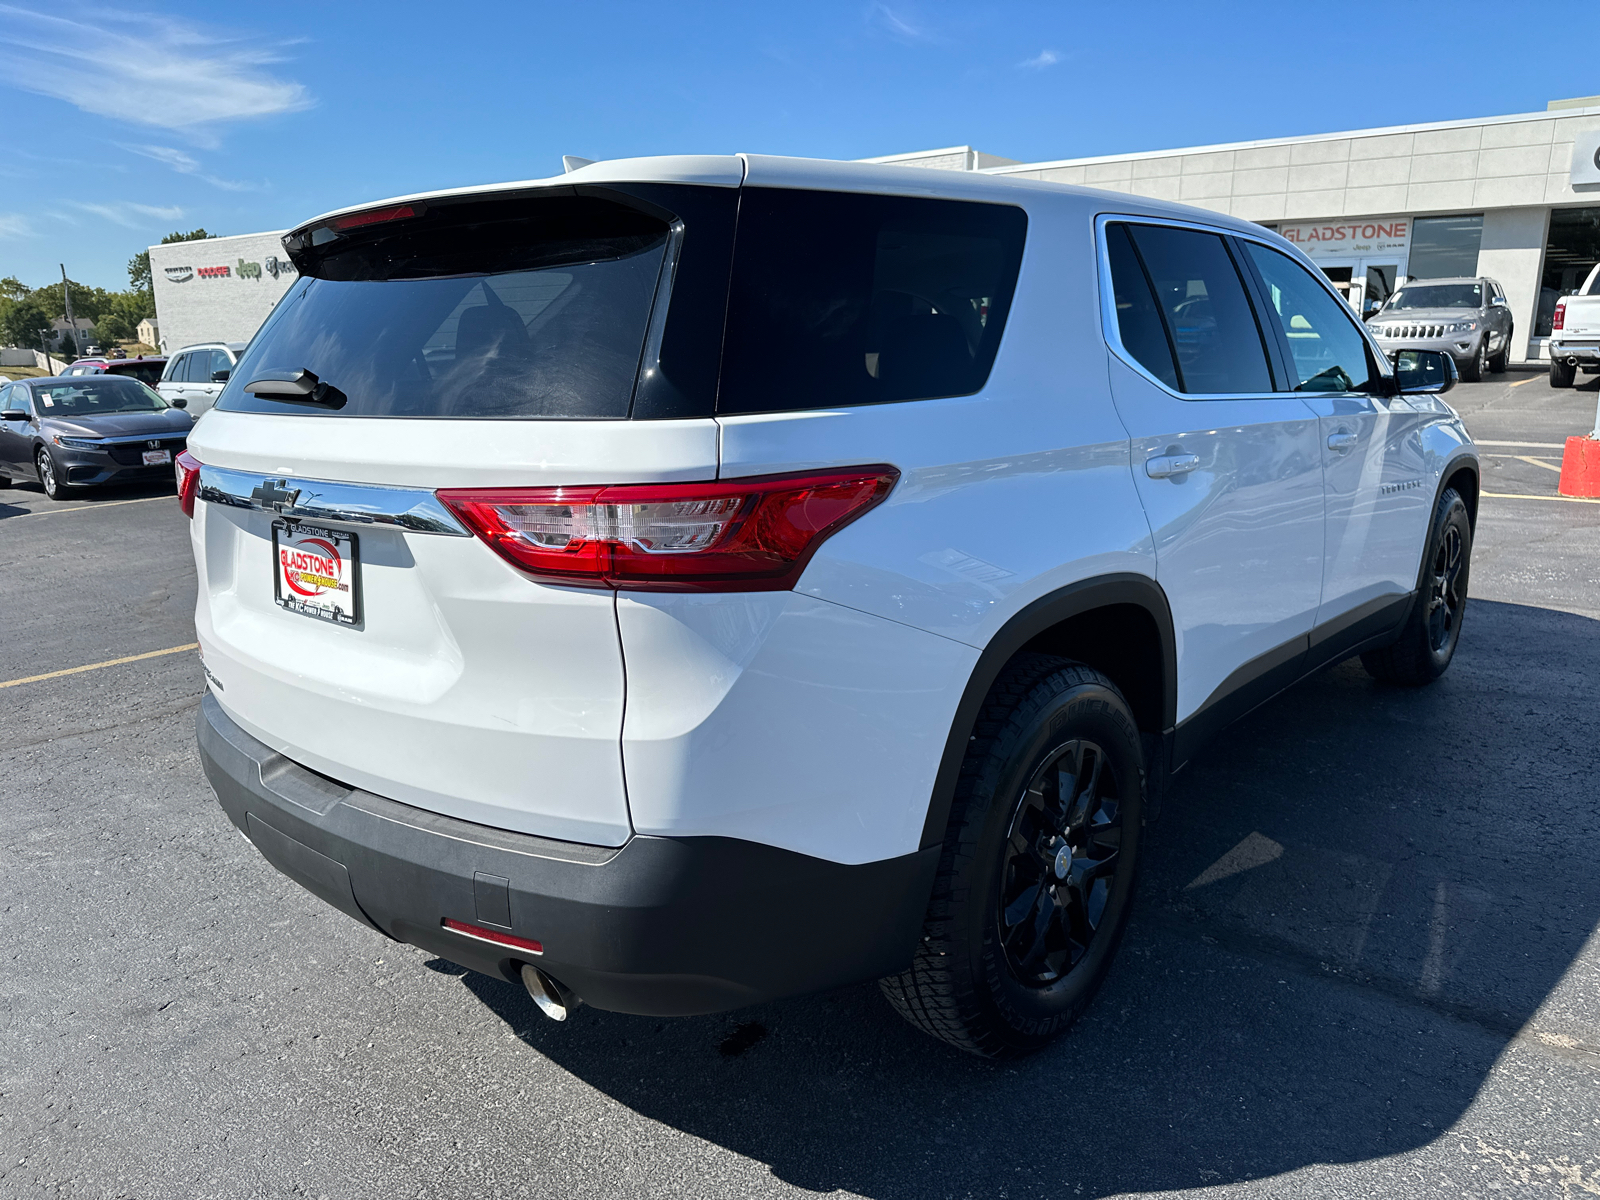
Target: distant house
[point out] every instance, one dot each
(149, 332)
(83, 331)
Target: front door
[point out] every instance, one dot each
(1228, 467)
(1378, 501)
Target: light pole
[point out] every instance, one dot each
(66, 294)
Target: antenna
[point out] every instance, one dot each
(571, 163)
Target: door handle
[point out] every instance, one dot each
(1340, 442)
(1165, 466)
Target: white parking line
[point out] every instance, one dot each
(47, 512)
(1524, 445)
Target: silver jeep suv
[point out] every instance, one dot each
(1467, 318)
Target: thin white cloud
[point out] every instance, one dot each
(15, 225)
(899, 23)
(129, 214)
(186, 164)
(1041, 60)
(145, 70)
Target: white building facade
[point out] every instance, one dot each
(218, 290)
(1514, 198)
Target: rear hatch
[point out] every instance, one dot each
(516, 338)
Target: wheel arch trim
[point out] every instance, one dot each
(1075, 600)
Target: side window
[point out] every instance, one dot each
(1138, 320)
(1208, 316)
(219, 362)
(175, 369)
(841, 298)
(1328, 351)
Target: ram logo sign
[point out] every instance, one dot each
(1586, 161)
(180, 274)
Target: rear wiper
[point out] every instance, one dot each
(297, 387)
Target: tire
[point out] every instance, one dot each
(1428, 640)
(1476, 367)
(49, 476)
(1562, 374)
(1013, 950)
(1497, 362)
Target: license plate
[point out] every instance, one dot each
(157, 458)
(317, 571)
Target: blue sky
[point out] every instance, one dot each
(123, 125)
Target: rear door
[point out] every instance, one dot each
(1378, 501)
(484, 343)
(173, 384)
(1228, 467)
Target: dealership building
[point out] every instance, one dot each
(1515, 198)
(219, 289)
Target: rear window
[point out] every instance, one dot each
(144, 372)
(844, 299)
(532, 307)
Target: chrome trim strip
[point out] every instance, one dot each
(177, 435)
(325, 502)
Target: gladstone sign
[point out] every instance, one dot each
(1345, 239)
(218, 290)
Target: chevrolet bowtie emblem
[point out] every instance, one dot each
(275, 494)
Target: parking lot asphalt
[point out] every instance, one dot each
(1364, 960)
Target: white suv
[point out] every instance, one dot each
(196, 374)
(694, 581)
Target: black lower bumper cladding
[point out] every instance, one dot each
(658, 927)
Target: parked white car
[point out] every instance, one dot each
(675, 621)
(196, 374)
(1575, 333)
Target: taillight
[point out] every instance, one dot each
(1559, 321)
(734, 535)
(376, 216)
(187, 468)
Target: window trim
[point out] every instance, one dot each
(1112, 335)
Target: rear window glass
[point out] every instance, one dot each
(144, 372)
(507, 309)
(843, 299)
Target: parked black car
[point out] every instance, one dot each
(87, 430)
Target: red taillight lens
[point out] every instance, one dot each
(374, 216)
(494, 935)
(735, 535)
(1559, 321)
(187, 467)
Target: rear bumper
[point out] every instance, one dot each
(658, 927)
(1586, 353)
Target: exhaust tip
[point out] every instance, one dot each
(554, 1001)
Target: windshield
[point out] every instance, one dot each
(92, 395)
(1439, 295)
(527, 308)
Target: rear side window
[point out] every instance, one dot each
(1328, 351)
(1139, 324)
(530, 307)
(846, 299)
(180, 369)
(1206, 313)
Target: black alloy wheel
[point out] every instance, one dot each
(1061, 856)
(1427, 641)
(1446, 595)
(1036, 877)
(49, 476)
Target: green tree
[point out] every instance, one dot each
(21, 320)
(139, 264)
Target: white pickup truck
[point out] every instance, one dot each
(1575, 333)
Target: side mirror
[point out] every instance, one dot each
(220, 376)
(13, 414)
(1424, 372)
(1500, 302)
(178, 402)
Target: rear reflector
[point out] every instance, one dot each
(375, 216)
(187, 468)
(734, 535)
(493, 935)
